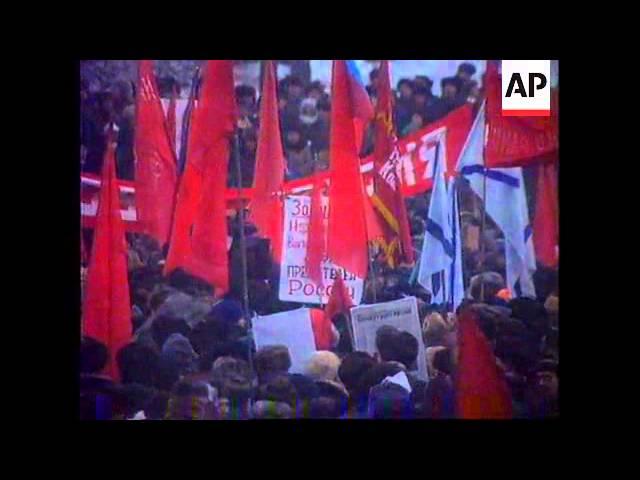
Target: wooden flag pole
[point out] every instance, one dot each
(243, 247)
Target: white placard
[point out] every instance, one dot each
(402, 314)
(295, 286)
(293, 329)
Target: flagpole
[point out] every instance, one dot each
(243, 243)
(484, 214)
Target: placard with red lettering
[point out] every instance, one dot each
(295, 286)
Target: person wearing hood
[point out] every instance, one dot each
(298, 152)
(177, 350)
(314, 127)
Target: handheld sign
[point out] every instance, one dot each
(295, 285)
(292, 329)
(402, 314)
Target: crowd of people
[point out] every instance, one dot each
(192, 355)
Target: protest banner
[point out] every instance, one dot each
(402, 314)
(292, 329)
(295, 286)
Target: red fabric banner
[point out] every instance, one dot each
(266, 207)
(199, 235)
(545, 224)
(155, 160)
(106, 311)
(516, 141)
(481, 388)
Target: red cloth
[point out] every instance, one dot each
(545, 224)
(347, 230)
(266, 208)
(387, 197)
(516, 141)
(481, 389)
(321, 329)
(339, 299)
(106, 312)
(316, 234)
(156, 175)
(199, 235)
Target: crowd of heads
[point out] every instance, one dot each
(192, 356)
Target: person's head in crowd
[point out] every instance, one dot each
(246, 99)
(164, 326)
(406, 350)
(323, 365)
(230, 311)
(293, 139)
(542, 393)
(295, 88)
(178, 349)
(192, 401)
(325, 407)
(434, 330)
(422, 81)
(271, 361)
(450, 87)
(474, 92)
(493, 283)
(378, 372)
(442, 362)
(122, 94)
(233, 381)
(270, 410)
(405, 89)
(417, 120)
(308, 111)
(322, 160)
(94, 356)
(466, 71)
(420, 97)
(315, 91)
(385, 341)
(324, 109)
(352, 369)
(278, 389)
(137, 364)
(374, 80)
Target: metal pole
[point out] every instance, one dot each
(243, 246)
(484, 216)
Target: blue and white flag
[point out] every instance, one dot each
(440, 269)
(506, 204)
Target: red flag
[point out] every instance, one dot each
(171, 119)
(322, 332)
(339, 300)
(387, 197)
(545, 224)
(106, 312)
(347, 230)
(316, 233)
(516, 141)
(481, 389)
(266, 208)
(156, 175)
(199, 235)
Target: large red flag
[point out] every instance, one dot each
(481, 389)
(516, 141)
(199, 235)
(387, 197)
(545, 224)
(156, 175)
(347, 230)
(266, 207)
(106, 312)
